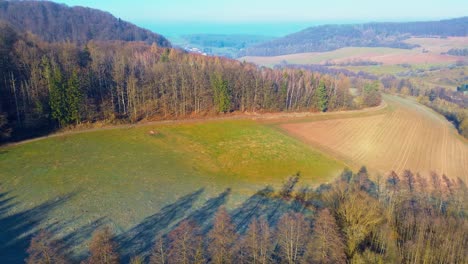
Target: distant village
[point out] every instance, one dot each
(195, 50)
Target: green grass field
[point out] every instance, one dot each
(126, 174)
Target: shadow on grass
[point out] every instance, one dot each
(205, 214)
(17, 228)
(140, 239)
(73, 244)
(262, 204)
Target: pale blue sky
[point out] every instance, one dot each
(270, 10)
(267, 17)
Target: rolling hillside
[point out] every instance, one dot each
(57, 22)
(410, 136)
(352, 56)
(332, 37)
(125, 176)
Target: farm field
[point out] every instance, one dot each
(386, 56)
(424, 57)
(127, 174)
(410, 136)
(128, 178)
(439, 45)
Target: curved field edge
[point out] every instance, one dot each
(278, 117)
(408, 136)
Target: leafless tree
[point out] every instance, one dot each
(102, 248)
(222, 238)
(293, 232)
(44, 250)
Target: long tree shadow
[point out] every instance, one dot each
(139, 239)
(73, 244)
(265, 203)
(204, 215)
(16, 228)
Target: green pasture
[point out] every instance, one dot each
(127, 174)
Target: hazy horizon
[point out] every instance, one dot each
(264, 28)
(262, 17)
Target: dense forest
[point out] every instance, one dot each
(403, 218)
(45, 85)
(56, 22)
(331, 37)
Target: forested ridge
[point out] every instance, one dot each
(46, 85)
(331, 37)
(403, 218)
(57, 22)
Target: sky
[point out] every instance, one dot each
(193, 14)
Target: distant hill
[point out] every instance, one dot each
(57, 22)
(331, 37)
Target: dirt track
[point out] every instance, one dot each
(268, 117)
(410, 136)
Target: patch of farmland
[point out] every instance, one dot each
(386, 56)
(440, 45)
(409, 137)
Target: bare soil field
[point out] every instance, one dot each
(410, 136)
(386, 56)
(440, 45)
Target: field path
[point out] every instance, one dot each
(267, 117)
(409, 136)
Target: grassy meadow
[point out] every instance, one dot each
(126, 174)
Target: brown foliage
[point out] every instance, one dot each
(258, 242)
(134, 81)
(406, 221)
(102, 248)
(44, 250)
(360, 214)
(159, 255)
(293, 235)
(186, 245)
(327, 244)
(222, 238)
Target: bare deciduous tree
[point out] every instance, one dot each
(44, 250)
(360, 214)
(222, 238)
(293, 235)
(159, 253)
(186, 244)
(258, 242)
(327, 244)
(102, 248)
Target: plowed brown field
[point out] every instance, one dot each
(409, 136)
